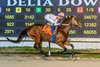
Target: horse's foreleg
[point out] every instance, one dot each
(69, 44)
(61, 44)
(72, 50)
(49, 53)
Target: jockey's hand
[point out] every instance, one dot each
(54, 33)
(57, 24)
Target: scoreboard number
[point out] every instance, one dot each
(28, 9)
(68, 9)
(8, 31)
(10, 24)
(90, 24)
(90, 17)
(8, 9)
(28, 16)
(29, 23)
(9, 17)
(90, 32)
(47, 9)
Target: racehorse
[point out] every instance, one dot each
(61, 37)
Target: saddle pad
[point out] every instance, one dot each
(47, 29)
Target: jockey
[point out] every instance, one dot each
(54, 19)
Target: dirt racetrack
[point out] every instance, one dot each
(17, 60)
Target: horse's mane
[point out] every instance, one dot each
(65, 20)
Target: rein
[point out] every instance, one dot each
(65, 24)
(61, 24)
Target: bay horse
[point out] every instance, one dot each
(61, 37)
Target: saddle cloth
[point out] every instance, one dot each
(47, 29)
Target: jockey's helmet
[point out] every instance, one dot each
(61, 14)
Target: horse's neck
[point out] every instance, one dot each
(66, 29)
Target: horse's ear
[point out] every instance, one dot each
(73, 16)
(68, 16)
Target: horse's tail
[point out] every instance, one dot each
(19, 39)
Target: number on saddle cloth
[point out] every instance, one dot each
(53, 30)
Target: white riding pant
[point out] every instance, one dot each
(48, 18)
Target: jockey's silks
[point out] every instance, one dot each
(53, 30)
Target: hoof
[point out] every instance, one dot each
(45, 55)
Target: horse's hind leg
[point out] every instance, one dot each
(38, 44)
(35, 46)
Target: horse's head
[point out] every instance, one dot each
(72, 21)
